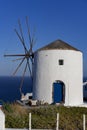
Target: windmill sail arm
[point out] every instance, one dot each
(22, 40)
(6, 55)
(30, 40)
(23, 55)
(19, 66)
(23, 79)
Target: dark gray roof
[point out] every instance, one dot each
(58, 45)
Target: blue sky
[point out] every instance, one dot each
(52, 20)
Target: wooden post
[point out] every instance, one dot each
(83, 121)
(29, 121)
(57, 122)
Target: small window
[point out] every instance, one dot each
(61, 62)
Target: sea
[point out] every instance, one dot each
(10, 88)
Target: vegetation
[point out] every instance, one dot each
(44, 117)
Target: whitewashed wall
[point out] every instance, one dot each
(2, 120)
(47, 71)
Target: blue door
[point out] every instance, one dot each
(58, 92)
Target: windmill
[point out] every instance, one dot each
(28, 54)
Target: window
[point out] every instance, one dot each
(61, 62)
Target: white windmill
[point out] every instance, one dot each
(58, 74)
(57, 71)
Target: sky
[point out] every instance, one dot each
(51, 20)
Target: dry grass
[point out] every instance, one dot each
(18, 109)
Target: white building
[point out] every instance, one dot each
(58, 74)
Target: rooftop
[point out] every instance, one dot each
(58, 45)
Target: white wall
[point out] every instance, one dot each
(47, 71)
(2, 120)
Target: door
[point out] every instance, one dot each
(57, 92)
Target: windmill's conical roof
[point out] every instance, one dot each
(58, 45)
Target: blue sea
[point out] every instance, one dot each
(10, 88)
